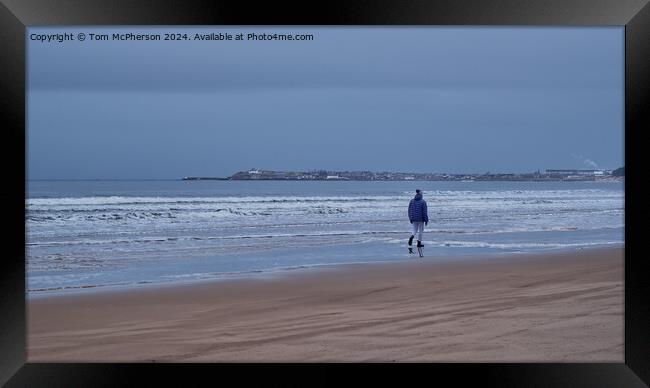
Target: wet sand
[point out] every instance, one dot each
(550, 307)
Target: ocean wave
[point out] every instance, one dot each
(291, 235)
(289, 215)
(119, 200)
(519, 245)
(445, 195)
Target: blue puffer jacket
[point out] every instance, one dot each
(418, 209)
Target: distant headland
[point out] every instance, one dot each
(325, 175)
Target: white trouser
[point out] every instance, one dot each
(418, 229)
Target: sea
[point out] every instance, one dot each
(100, 235)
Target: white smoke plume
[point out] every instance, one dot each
(587, 162)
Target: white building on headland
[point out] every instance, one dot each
(254, 171)
(579, 172)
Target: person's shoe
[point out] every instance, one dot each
(420, 245)
(411, 240)
(411, 250)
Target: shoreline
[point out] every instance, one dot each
(540, 307)
(282, 272)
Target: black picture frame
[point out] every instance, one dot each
(17, 15)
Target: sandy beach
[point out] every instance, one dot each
(550, 307)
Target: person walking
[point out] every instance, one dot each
(418, 217)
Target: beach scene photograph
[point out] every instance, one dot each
(325, 194)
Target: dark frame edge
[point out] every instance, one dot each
(12, 104)
(637, 101)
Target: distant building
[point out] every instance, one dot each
(579, 172)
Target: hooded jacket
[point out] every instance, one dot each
(418, 209)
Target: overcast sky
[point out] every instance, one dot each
(418, 99)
